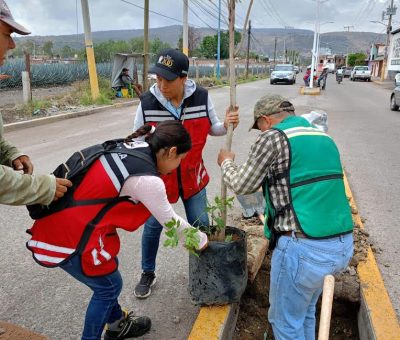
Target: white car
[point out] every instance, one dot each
(283, 73)
(360, 72)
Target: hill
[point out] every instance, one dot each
(263, 39)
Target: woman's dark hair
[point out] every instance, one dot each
(167, 134)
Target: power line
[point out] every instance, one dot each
(276, 12)
(199, 17)
(207, 11)
(154, 12)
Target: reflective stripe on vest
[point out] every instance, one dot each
(315, 176)
(192, 174)
(57, 237)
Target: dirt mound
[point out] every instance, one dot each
(9, 331)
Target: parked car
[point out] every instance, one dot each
(395, 96)
(346, 71)
(284, 73)
(360, 72)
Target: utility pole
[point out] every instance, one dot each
(94, 84)
(284, 50)
(248, 49)
(185, 38)
(390, 11)
(276, 40)
(146, 45)
(219, 42)
(314, 50)
(347, 48)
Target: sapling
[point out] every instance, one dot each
(192, 239)
(216, 212)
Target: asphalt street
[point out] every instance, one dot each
(50, 302)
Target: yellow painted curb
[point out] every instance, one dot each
(381, 313)
(211, 321)
(312, 92)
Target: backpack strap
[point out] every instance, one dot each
(92, 224)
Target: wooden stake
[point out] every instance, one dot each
(232, 79)
(326, 308)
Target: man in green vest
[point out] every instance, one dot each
(308, 217)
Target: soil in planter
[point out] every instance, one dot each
(219, 274)
(253, 323)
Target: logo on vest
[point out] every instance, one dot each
(166, 61)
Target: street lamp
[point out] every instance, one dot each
(378, 22)
(318, 38)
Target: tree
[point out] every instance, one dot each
(48, 48)
(210, 43)
(208, 47)
(67, 52)
(193, 41)
(156, 46)
(356, 59)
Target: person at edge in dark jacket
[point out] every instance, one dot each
(18, 185)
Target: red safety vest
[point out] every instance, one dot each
(90, 230)
(191, 176)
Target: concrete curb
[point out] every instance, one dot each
(215, 322)
(377, 318)
(62, 116)
(315, 91)
(68, 115)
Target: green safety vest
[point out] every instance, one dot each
(315, 176)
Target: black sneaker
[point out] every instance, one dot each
(143, 288)
(130, 327)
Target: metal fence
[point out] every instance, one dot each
(56, 77)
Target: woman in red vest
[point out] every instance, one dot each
(82, 238)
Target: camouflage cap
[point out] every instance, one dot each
(6, 16)
(269, 105)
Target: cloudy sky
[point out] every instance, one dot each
(57, 17)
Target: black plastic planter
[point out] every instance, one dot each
(219, 275)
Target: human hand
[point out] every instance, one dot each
(225, 154)
(62, 186)
(203, 244)
(24, 164)
(4, 76)
(231, 117)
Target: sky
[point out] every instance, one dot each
(58, 17)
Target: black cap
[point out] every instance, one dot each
(171, 64)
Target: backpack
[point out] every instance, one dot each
(75, 169)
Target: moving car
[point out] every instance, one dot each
(283, 73)
(360, 72)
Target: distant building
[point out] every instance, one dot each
(394, 54)
(375, 60)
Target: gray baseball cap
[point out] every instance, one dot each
(269, 105)
(6, 16)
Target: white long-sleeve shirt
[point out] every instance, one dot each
(150, 190)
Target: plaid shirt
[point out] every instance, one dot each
(268, 160)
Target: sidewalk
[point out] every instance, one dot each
(387, 84)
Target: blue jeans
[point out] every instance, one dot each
(195, 208)
(298, 268)
(103, 306)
